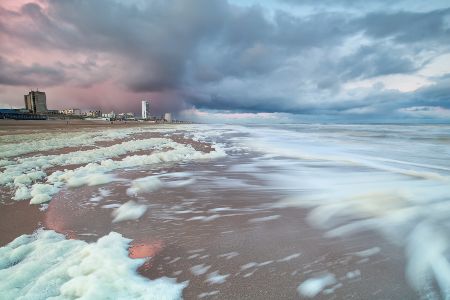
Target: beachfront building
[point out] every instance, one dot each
(94, 113)
(111, 115)
(36, 102)
(71, 111)
(145, 109)
(168, 117)
(126, 116)
(20, 114)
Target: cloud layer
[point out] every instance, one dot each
(340, 61)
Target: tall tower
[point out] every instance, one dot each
(145, 109)
(168, 117)
(36, 102)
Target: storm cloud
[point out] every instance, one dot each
(341, 60)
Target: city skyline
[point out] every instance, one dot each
(36, 103)
(35, 108)
(233, 61)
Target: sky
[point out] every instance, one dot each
(232, 61)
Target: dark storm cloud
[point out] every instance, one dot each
(409, 27)
(155, 42)
(377, 60)
(160, 41)
(221, 55)
(367, 6)
(437, 94)
(15, 73)
(246, 103)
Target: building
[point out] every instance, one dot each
(36, 102)
(145, 109)
(94, 113)
(111, 115)
(71, 111)
(129, 116)
(19, 114)
(168, 117)
(126, 116)
(52, 112)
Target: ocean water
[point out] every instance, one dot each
(393, 179)
(268, 204)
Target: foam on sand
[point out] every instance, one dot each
(200, 269)
(368, 252)
(25, 171)
(208, 294)
(27, 167)
(41, 193)
(289, 257)
(129, 211)
(204, 218)
(313, 286)
(228, 255)
(264, 219)
(15, 145)
(95, 173)
(144, 185)
(216, 278)
(46, 265)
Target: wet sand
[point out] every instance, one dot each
(189, 232)
(17, 218)
(249, 253)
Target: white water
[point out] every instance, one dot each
(352, 178)
(394, 179)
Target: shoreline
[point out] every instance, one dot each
(214, 223)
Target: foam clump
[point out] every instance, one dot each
(144, 185)
(28, 178)
(129, 211)
(90, 180)
(46, 265)
(22, 193)
(42, 193)
(313, 286)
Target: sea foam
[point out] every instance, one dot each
(98, 165)
(129, 211)
(46, 265)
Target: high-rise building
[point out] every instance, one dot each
(145, 109)
(168, 117)
(36, 102)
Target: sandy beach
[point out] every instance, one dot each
(200, 206)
